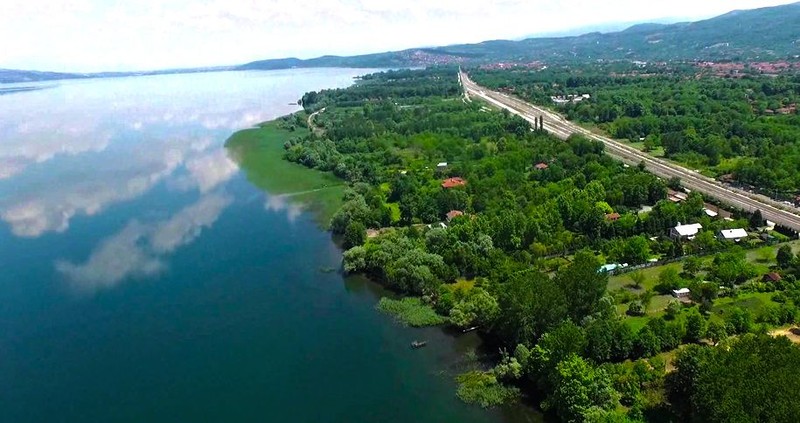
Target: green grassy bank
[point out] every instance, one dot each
(259, 152)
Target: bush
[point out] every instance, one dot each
(635, 309)
(482, 388)
(410, 311)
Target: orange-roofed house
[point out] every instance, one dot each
(541, 166)
(453, 182)
(452, 214)
(612, 217)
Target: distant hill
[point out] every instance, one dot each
(758, 34)
(13, 75)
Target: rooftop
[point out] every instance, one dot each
(688, 230)
(453, 182)
(737, 233)
(452, 214)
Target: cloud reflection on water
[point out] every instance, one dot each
(45, 207)
(139, 248)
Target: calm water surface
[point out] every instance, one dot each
(143, 279)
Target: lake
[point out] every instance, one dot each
(144, 279)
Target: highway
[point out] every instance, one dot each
(554, 123)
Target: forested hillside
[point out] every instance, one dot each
(759, 34)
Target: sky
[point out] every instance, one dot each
(114, 35)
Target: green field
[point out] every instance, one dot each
(259, 152)
(650, 273)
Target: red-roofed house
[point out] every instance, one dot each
(453, 182)
(452, 214)
(772, 277)
(541, 166)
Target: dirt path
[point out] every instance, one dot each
(316, 129)
(792, 333)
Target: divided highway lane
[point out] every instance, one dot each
(562, 128)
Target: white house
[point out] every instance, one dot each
(685, 231)
(681, 293)
(732, 234)
(711, 213)
(441, 166)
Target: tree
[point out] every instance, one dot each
(355, 235)
(668, 279)
(731, 268)
(647, 344)
(739, 321)
(753, 379)
(756, 219)
(530, 305)
(478, 307)
(556, 345)
(695, 326)
(673, 310)
(580, 388)
(692, 265)
(600, 337)
(716, 332)
(638, 278)
(785, 256)
(582, 285)
(635, 308)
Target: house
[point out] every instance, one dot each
(441, 166)
(676, 196)
(710, 213)
(612, 217)
(453, 182)
(452, 214)
(541, 166)
(772, 277)
(685, 231)
(681, 293)
(735, 235)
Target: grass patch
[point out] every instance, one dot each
(410, 311)
(259, 152)
(754, 302)
(651, 277)
(483, 388)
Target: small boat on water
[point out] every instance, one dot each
(469, 329)
(418, 344)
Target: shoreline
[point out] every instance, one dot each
(259, 152)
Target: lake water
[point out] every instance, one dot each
(143, 279)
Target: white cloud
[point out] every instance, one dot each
(101, 35)
(138, 249)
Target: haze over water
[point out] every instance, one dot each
(145, 280)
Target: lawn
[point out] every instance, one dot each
(259, 152)
(753, 302)
(650, 273)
